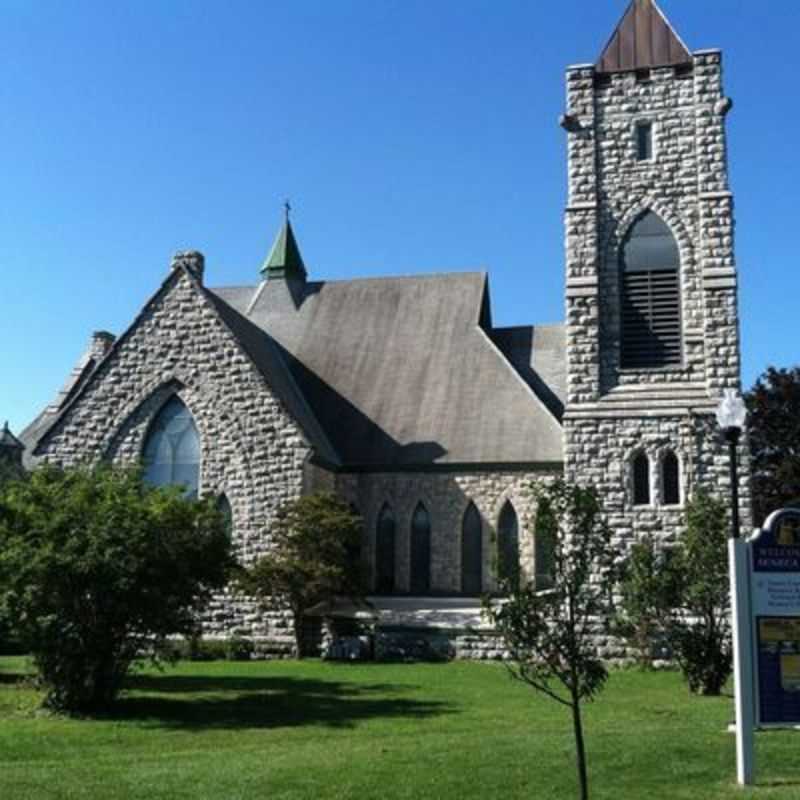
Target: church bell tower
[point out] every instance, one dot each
(651, 294)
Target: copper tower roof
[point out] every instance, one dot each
(643, 39)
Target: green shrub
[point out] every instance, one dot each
(98, 569)
(684, 596)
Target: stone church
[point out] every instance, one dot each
(402, 396)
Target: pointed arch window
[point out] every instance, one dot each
(172, 449)
(670, 479)
(420, 582)
(471, 552)
(224, 508)
(651, 323)
(641, 480)
(544, 545)
(508, 545)
(384, 551)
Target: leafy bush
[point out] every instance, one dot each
(98, 569)
(645, 587)
(684, 595)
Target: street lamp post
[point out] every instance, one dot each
(731, 415)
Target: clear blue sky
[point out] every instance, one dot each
(411, 136)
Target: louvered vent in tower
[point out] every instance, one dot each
(651, 319)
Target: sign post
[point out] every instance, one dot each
(739, 570)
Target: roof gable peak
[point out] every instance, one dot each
(643, 39)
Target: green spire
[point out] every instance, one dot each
(284, 259)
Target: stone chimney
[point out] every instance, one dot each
(193, 260)
(100, 343)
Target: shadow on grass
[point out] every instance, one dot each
(198, 702)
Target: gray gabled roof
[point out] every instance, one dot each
(400, 372)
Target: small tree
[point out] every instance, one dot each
(97, 569)
(683, 594)
(550, 634)
(314, 557)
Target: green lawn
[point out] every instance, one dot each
(319, 730)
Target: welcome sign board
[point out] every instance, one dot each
(775, 603)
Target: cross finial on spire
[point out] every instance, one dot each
(287, 208)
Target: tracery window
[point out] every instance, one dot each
(651, 324)
(172, 449)
(384, 555)
(420, 581)
(508, 545)
(471, 552)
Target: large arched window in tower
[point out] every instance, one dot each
(172, 449)
(651, 318)
(508, 545)
(420, 582)
(471, 552)
(384, 551)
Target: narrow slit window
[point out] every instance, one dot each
(641, 480)
(644, 141)
(508, 547)
(670, 480)
(471, 552)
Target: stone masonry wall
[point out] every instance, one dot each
(446, 497)
(252, 450)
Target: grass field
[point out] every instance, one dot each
(320, 730)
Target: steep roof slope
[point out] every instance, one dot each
(399, 372)
(643, 39)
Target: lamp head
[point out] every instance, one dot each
(731, 412)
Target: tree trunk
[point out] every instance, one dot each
(579, 748)
(298, 632)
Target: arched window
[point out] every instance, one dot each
(354, 550)
(420, 582)
(508, 545)
(670, 479)
(641, 480)
(544, 545)
(471, 552)
(172, 449)
(384, 551)
(651, 322)
(224, 508)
